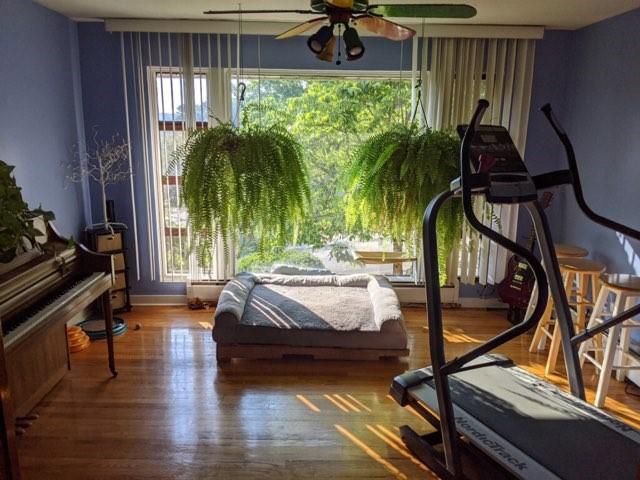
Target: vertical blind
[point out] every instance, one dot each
(459, 71)
(173, 83)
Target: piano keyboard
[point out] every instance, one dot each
(30, 318)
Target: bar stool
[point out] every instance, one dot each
(583, 273)
(541, 334)
(625, 290)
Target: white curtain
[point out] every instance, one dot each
(458, 72)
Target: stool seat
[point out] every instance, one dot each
(628, 283)
(564, 250)
(581, 265)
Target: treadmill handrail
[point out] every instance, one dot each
(575, 179)
(539, 273)
(588, 333)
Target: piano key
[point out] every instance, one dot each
(41, 311)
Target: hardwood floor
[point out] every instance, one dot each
(173, 414)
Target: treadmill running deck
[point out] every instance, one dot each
(531, 427)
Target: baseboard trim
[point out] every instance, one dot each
(158, 300)
(471, 302)
(406, 295)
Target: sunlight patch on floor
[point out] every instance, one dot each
(371, 452)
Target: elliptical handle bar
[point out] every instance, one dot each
(541, 278)
(575, 179)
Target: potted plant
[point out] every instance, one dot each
(249, 179)
(393, 177)
(21, 229)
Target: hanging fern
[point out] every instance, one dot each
(393, 177)
(251, 179)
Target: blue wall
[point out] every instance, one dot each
(37, 110)
(543, 152)
(603, 119)
(591, 78)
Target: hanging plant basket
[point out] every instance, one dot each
(242, 180)
(393, 177)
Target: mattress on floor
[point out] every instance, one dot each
(343, 311)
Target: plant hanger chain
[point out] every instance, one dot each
(259, 81)
(241, 87)
(418, 87)
(399, 84)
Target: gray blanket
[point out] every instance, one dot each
(324, 302)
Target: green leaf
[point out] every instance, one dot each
(394, 175)
(15, 216)
(250, 180)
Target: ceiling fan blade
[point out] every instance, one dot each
(424, 11)
(384, 27)
(303, 27)
(238, 12)
(348, 4)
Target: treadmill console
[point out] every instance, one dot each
(494, 154)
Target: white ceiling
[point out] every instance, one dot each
(569, 14)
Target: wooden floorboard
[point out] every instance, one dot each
(173, 414)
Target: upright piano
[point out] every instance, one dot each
(37, 299)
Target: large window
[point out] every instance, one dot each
(330, 116)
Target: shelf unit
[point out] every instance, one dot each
(113, 242)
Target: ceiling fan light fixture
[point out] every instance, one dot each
(353, 44)
(327, 54)
(319, 40)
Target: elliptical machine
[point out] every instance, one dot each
(489, 415)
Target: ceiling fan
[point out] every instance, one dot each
(348, 14)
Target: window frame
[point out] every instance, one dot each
(228, 75)
(160, 229)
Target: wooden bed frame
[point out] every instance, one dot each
(224, 353)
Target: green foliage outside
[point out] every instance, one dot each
(330, 119)
(16, 224)
(372, 172)
(263, 261)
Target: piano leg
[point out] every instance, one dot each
(108, 324)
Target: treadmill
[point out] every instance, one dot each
(493, 419)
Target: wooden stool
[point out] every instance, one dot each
(578, 274)
(562, 251)
(625, 290)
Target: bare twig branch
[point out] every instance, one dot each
(106, 163)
